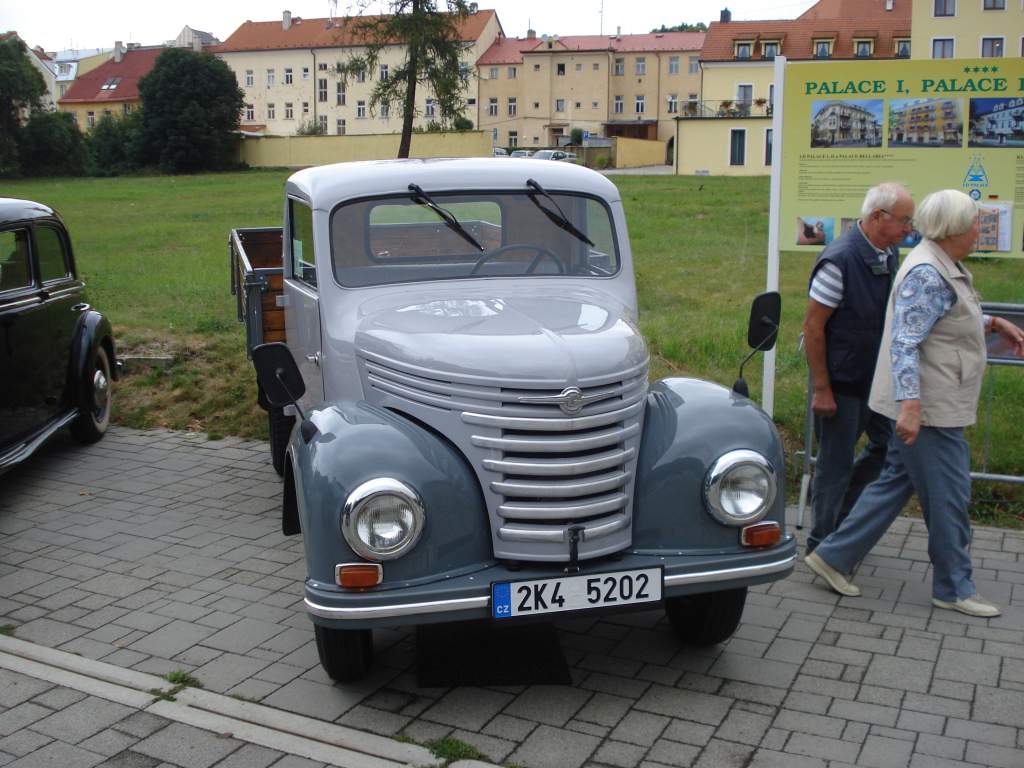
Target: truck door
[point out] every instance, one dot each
(302, 300)
(22, 399)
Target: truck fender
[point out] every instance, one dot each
(91, 330)
(356, 442)
(688, 424)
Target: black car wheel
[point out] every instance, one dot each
(708, 618)
(280, 431)
(94, 418)
(346, 654)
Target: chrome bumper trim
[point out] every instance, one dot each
(482, 601)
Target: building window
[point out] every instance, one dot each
(620, 67)
(250, 113)
(744, 95)
(738, 146)
(339, 93)
(593, 105)
(743, 50)
(559, 105)
(90, 119)
(693, 66)
(289, 112)
(822, 49)
(385, 111)
(995, 5)
(619, 107)
(673, 104)
(493, 73)
(639, 104)
(360, 109)
(322, 66)
(991, 47)
(903, 49)
(641, 66)
(340, 127)
(287, 75)
(126, 108)
(942, 48)
(560, 69)
(862, 49)
(536, 67)
(383, 72)
(305, 73)
(249, 78)
(361, 76)
(513, 138)
(270, 77)
(536, 139)
(431, 108)
(494, 135)
(513, 107)
(511, 73)
(768, 147)
(305, 107)
(270, 112)
(596, 66)
(322, 123)
(673, 65)
(492, 106)
(945, 7)
(769, 50)
(471, 101)
(579, 104)
(321, 89)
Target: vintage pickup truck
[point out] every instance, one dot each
(459, 405)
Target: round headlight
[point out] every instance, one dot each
(383, 519)
(739, 488)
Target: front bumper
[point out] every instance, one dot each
(469, 596)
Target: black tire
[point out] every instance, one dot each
(280, 431)
(92, 421)
(708, 618)
(346, 654)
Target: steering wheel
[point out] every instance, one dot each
(540, 250)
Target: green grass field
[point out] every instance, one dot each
(153, 251)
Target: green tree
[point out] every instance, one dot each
(430, 31)
(115, 145)
(50, 144)
(191, 107)
(700, 26)
(21, 88)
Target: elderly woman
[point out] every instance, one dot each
(927, 379)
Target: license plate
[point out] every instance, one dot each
(575, 593)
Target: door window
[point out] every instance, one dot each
(15, 271)
(53, 262)
(303, 254)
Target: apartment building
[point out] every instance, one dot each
(43, 64)
(967, 29)
(534, 90)
(287, 72)
(73, 62)
(728, 131)
(112, 88)
(925, 123)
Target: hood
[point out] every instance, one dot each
(531, 340)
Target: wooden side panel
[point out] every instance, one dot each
(263, 249)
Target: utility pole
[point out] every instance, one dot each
(601, 17)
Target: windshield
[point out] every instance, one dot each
(399, 239)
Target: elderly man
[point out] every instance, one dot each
(849, 288)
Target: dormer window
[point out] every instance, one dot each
(769, 50)
(111, 84)
(862, 49)
(743, 49)
(903, 48)
(822, 49)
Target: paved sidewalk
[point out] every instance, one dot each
(161, 551)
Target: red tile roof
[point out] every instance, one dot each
(510, 50)
(315, 33)
(861, 18)
(134, 65)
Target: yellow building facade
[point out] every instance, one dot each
(967, 29)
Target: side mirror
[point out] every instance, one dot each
(278, 374)
(765, 315)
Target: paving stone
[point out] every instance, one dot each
(171, 639)
(744, 727)
(23, 742)
(494, 748)
(620, 754)
(804, 722)
(767, 758)
(821, 747)
(549, 704)
(548, 747)
(687, 705)
(719, 753)
(47, 632)
(881, 752)
(108, 742)
(21, 716)
(640, 728)
(941, 746)
(468, 707)
(250, 756)
(187, 746)
(865, 713)
(243, 636)
(513, 728)
(778, 674)
(976, 668)
(58, 755)
(129, 759)
(1001, 707)
(673, 753)
(896, 672)
(15, 688)
(989, 754)
(142, 724)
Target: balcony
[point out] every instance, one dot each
(689, 110)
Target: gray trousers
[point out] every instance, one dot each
(838, 477)
(937, 468)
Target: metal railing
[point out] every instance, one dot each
(725, 108)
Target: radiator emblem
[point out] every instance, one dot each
(571, 400)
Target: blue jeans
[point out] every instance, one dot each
(838, 477)
(937, 468)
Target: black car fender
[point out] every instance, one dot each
(92, 329)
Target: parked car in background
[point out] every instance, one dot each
(57, 354)
(554, 154)
(522, 153)
(499, 152)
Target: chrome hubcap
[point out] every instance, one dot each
(100, 386)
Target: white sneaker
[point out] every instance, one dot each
(835, 579)
(975, 605)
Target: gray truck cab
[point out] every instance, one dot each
(477, 436)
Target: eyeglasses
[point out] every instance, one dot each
(906, 221)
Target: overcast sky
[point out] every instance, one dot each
(56, 26)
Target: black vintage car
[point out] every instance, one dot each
(57, 353)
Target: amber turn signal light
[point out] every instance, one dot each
(358, 575)
(761, 535)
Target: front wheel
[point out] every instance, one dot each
(280, 432)
(346, 654)
(94, 416)
(708, 618)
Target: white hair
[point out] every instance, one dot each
(882, 197)
(945, 213)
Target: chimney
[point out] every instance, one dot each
(286, 20)
(726, 16)
(618, 31)
(531, 34)
(474, 8)
(197, 44)
(118, 52)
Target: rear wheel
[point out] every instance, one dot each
(94, 416)
(346, 654)
(280, 431)
(708, 618)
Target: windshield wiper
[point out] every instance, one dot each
(421, 198)
(559, 219)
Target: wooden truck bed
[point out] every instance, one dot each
(257, 279)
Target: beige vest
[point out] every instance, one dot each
(952, 356)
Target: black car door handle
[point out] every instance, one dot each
(82, 307)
